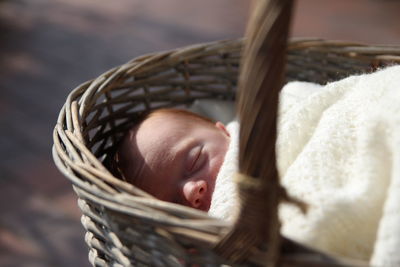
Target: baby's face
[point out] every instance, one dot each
(179, 158)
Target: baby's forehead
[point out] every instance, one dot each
(185, 117)
(172, 116)
(166, 129)
(166, 123)
(162, 122)
(159, 132)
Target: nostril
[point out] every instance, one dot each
(202, 187)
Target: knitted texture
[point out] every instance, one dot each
(225, 196)
(337, 150)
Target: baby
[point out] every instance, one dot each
(175, 155)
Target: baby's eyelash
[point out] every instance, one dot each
(196, 158)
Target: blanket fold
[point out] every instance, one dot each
(338, 149)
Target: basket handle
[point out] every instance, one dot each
(261, 78)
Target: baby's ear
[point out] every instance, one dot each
(221, 126)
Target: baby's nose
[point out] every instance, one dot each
(195, 192)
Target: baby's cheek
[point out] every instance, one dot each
(219, 159)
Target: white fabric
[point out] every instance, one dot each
(224, 200)
(338, 149)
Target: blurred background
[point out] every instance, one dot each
(48, 47)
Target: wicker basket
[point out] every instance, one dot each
(126, 226)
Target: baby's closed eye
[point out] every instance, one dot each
(195, 159)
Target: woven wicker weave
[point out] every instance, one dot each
(126, 226)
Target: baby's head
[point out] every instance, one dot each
(175, 155)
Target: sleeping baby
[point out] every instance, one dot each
(337, 150)
(175, 155)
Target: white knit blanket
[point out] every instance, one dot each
(338, 150)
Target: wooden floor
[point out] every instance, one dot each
(48, 47)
